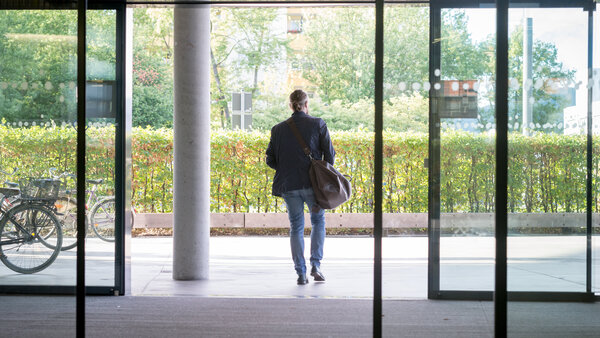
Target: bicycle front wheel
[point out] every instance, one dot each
(103, 219)
(23, 247)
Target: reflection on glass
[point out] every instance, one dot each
(38, 141)
(101, 92)
(405, 142)
(547, 150)
(467, 139)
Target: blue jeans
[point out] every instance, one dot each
(294, 201)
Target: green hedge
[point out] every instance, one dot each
(546, 172)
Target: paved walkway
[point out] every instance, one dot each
(252, 291)
(262, 267)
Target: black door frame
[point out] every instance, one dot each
(122, 154)
(434, 290)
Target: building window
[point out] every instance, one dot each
(294, 24)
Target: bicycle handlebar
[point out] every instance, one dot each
(10, 174)
(63, 174)
(67, 174)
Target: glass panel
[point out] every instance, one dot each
(548, 111)
(101, 92)
(467, 140)
(38, 98)
(547, 149)
(406, 116)
(37, 142)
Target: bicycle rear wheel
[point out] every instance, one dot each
(66, 212)
(103, 219)
(22, 245)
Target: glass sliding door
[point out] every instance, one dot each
(38, 114)
(462, 142)
(405, 145)
(101, 122)
(548, 111)
(595, 156)
(549, 214)
(37, 111)
(38, 72)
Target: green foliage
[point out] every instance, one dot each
(38, 61)
(152, 107)
(152, 178)
(461, 58)
(153, 68)
(33, 61)
(38, 65)
(36, 149)
(546, 171)
(339, 56)
(407, 112)
(548, 75)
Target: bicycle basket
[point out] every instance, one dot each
(39, 188)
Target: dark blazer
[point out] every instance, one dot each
(285, 155)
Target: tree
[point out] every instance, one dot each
(37, 52)
(153, 67)
(549, 74)
(243, 41)
(38, 61)
(340, 55)
(339, 58)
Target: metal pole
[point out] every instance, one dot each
(81, 223)
(378, 196)
(500, 293)
(589, 187)
(433, 229)
(123, 151)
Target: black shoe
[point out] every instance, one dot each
(316, 272)
(302, 279)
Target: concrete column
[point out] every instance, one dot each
(191, 183)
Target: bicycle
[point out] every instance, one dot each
(102, 216)
(65, 209)
(30, 233)
(10, 201)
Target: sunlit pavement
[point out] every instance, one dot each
(262, 267)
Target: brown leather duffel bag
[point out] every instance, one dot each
(331, 188)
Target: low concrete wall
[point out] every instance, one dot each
(356, 220)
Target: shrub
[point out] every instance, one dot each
(547, 172)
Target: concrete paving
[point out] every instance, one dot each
(262, 267)
(252, 292)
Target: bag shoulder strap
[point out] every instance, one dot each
(296, 132)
